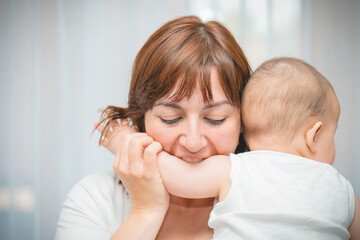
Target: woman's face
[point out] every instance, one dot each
(194, 130)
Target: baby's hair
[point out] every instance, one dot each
(282, 94)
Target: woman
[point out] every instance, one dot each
(184, 98)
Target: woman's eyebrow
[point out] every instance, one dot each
(212, 105)
(174, 105)
(169, 104)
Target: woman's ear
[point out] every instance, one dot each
(311, 136)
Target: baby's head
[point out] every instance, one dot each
(289, 106)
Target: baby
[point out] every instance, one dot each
(285, 187)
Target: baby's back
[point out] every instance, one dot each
(281, 196)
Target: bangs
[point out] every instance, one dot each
(184, 63)
(191, 78)
(190, 68)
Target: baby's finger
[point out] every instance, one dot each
(114, 124)
(124, 122)
(98, 127)
(105, 143)
(105, 134)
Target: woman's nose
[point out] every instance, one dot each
(192, 139)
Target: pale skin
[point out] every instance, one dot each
(210, 178)
(188, 129)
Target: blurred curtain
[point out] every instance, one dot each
(62, 61)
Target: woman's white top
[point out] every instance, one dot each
(281, 196)
(94, 209)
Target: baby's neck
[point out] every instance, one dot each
(273, 143)
(277, 149)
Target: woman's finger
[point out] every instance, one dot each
(150, 156)
(121, 162)
(137, 146)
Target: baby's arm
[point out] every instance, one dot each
(208, 178)
(354, 228)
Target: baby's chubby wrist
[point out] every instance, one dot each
(163, 156)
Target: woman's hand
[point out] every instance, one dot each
(136, 165)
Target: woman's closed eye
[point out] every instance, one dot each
(170, 121)
(215, 121)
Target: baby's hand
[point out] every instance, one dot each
(113, 137)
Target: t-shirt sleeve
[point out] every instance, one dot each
(88, 210)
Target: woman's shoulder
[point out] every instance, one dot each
(100, 187)
(101, 179)
(97, 201)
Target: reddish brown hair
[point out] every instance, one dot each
(181, 53)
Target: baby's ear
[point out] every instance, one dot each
(311, 136)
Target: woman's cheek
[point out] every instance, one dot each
(165, 136)
(228, 138)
